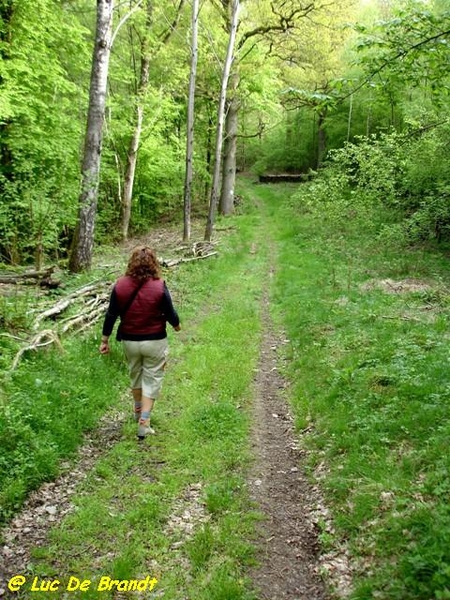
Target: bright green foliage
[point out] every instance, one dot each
(412, 48)
(407, 174)
(312, 55)
(44, 414)
(302, 92)
(346, 88)
(289, 147)
(40, 100)
(159, 171)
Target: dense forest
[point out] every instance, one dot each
(97, 105)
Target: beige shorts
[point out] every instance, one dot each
(146, 361)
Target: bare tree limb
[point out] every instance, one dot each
(36, 342)
(17, 277)
(285, 23)
(165, 37)
(124, 20)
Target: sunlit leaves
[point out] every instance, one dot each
(413, 48)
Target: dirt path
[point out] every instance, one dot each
(288, 548)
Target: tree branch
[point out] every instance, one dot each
(286, 22)
(124, 19)
(386, 63)
(165, 37)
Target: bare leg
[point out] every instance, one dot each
(144, 421)
(137, 396)
(147, 407)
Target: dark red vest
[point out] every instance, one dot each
(144, 315)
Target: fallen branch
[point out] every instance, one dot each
(58, 308)
(36, 342)
(63, 304)
(172, 262)
(93, 298)
(11, 336)
(401, 317)
(86, 319)
(203, 248)
(225, 228)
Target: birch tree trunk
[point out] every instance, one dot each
(220, 120)
(139, 118)
(208, 158)
(83, 243)
(190, 125)
(226, 204)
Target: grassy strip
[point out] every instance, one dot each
(51, 401)
(136, 508)
(372, 393)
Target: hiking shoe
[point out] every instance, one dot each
(144, 430)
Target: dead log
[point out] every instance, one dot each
(64, 303)
(225, 228)
(57, 309)
(281, 177)
(85, 319)
(203, 248)
(44, 275)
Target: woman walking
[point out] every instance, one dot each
(142, 301)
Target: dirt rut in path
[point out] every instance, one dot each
(287, 545)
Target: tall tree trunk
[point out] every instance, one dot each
(83, 244)
(220, 120)
(6, 155)
(190, 125)
(131, 168)
(321, 137)
(209, 150)
(369, 116)
(147, 54)
(139, 118)
(226, 203)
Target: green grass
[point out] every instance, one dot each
(370, 372)
(47, 406)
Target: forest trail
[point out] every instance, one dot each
(286, 545)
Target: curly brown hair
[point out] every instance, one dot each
(143, 264)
